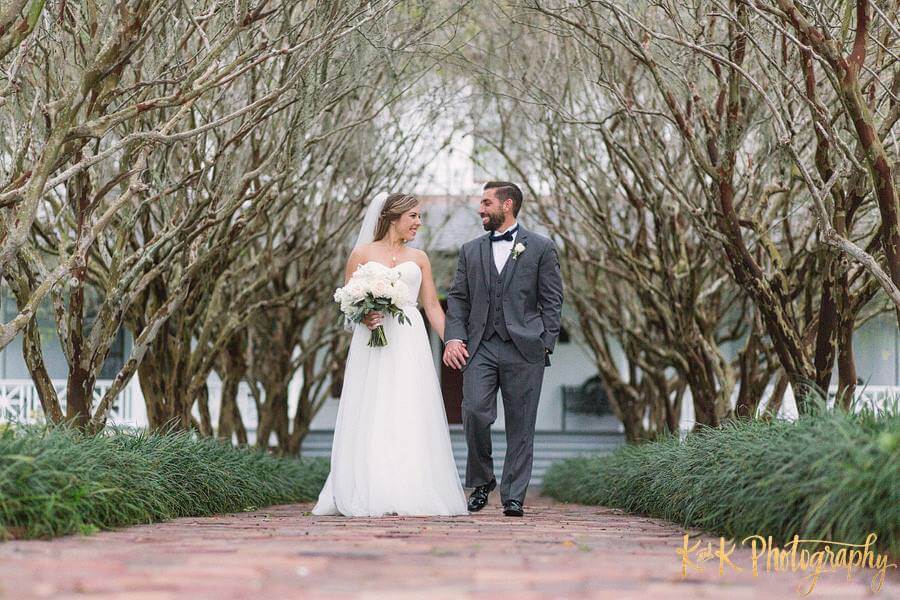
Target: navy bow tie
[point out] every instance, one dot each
(505, 237)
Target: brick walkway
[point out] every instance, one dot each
(556, 551)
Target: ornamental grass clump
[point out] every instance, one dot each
(829, 475)
(56, 481)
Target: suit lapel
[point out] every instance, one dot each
(487, 261)
(509, 270)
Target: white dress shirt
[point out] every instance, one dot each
(503, 248)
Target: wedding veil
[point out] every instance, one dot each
(367, 231)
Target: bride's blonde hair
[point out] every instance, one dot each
(394, 207)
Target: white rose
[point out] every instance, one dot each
(399, 294)
(380, 289)
(520, 248)
(355, 291)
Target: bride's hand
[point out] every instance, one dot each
(455, 354)
(373, 320)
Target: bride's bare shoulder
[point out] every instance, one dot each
(360, 253)
(421, 257)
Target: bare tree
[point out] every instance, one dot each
(185, 131)
(683, 111)
(17, 20)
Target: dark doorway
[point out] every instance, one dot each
(451, 387)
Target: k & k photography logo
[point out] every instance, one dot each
(811, 557)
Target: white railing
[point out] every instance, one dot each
(877, 398)
(19, 402)
(874, 397)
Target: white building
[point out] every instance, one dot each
(448, 222)
(450, 192)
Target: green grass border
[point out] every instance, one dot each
(829, 475)
(56, 481)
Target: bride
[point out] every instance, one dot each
(391, 451)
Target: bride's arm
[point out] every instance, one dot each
(429, 298)
(353, 261)
(356, 258)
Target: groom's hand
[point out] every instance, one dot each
(455, 354)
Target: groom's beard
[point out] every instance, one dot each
(494, 222)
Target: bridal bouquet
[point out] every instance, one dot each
(369, 290)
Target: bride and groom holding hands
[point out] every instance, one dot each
(392, 451)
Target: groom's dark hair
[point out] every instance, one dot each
(506, 191)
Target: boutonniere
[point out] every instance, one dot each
(517, 250)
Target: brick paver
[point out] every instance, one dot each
(556, 551)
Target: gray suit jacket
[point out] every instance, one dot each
(532, 295)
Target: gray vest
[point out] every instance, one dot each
(496, 321)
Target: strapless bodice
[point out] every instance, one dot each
(410, 274)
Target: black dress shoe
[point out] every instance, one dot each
(479, 496)
(513, 508)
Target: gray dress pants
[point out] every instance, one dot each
(498, 364)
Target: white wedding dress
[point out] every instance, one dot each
(392, 451)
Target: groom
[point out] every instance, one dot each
(503, 315)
